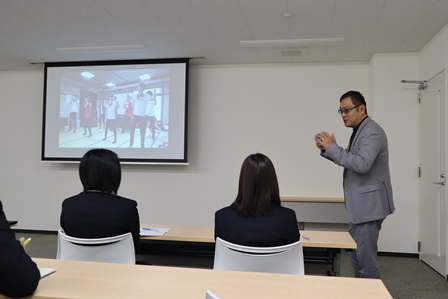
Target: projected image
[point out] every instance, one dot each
(138, 110)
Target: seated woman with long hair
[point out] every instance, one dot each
(256, 217)
(98, 212)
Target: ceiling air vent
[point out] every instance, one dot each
(289, 52)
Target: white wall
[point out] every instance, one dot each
(434, 56)
(396, 110)
(234, 110)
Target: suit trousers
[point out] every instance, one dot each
(364, 257)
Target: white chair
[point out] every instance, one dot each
(210, 295)
(117, 249)
(287, 259)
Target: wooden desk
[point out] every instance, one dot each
(199, 241)
(75, 279)
(204, 234)
(313, 199)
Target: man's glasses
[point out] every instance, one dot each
(347, 110)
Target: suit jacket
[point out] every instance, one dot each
(19, 275)
(367, 186)
(100, 215)
(277, 229)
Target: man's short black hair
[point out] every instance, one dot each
(356, 97)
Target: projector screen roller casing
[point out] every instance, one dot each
(137, 108)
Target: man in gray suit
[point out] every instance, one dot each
(366, 181)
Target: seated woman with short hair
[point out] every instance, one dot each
(98, 212)
(256, 217)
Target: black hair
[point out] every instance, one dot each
(100, 170)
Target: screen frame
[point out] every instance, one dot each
(126, 158)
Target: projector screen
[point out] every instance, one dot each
(137, 108)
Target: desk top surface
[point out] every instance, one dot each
(204, 234)
(313, 199)
(75, 279)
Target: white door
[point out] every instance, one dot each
(433, 194)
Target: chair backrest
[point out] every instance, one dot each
(210, 295)
(287, 259)
(117, 249)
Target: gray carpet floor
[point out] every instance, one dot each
(404, 277)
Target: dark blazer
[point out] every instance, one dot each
(367, 184)
(100, 215)
(19, 275)
(278, 229)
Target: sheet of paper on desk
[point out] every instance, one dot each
(153, 231)
(46, 271)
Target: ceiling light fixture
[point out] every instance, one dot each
(144, 77)
(87, 75)
(122, 48)
(292, 42)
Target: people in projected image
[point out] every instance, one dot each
(111, 117)
(74, 108)
(150, 113)
(139, 118)
(127, 122)
(87, 116)
(102, 113)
